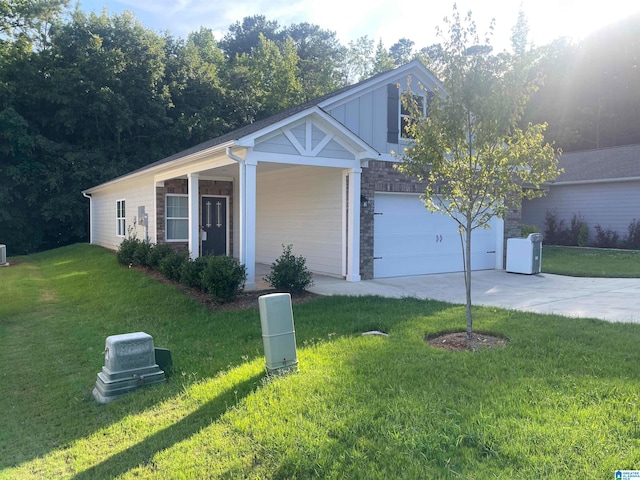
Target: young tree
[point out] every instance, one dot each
(469, 147)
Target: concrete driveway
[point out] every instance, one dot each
(612, 299)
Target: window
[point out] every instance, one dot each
(121, 218)
(177, 217)
(405, 116)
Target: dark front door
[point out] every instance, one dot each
(214, 225)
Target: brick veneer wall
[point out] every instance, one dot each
(382, 176)
(180, 186)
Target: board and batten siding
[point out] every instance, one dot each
(140, 192)
(367, 114)
(611, 205)
(301, 206)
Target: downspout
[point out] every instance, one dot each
(243, 203)
(87, 195)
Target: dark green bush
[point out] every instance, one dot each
(557, 234)
(554, 228)
(578, 231)
(525, 230)
(157, 253)
(632, 238)
(171, 265)
(606, 238)
(141, 254)
(127, 251)
(223, 278)
(191, 273)
(289, 273)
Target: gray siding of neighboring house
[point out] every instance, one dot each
(611, 205)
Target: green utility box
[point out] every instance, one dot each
(278, 333)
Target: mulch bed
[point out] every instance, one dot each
(457, 341)
(244, 301)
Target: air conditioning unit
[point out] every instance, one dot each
(3, 254)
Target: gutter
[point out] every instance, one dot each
(602, 180)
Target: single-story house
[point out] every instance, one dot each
(319, 176)
(601, 186)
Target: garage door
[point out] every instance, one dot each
(411, 240)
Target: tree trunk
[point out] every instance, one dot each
(467, 280)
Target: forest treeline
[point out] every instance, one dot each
(87, 97)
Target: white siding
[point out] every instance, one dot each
(610, 205)
(136, 193)
(301, 206)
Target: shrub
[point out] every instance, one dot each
(554, 228)
(557, 234)
(525, 230)
(632, 239)
(157, 253)
(578, 232)
(141, 254)
(171, 265)
(223, 278)
(191, 272)
(127, 250)
(606, 238)
(289, 273)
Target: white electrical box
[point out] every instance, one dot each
(3, 255)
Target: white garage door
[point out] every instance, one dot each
(410, 240)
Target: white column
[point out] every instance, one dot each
(353, 235)
(250, 182)
(194, 217)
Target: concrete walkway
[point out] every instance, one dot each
(612, 299)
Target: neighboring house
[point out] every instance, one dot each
(601, 186)
(319, 176)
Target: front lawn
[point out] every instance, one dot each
(561, 400)
(590, 262)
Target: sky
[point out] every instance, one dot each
(388, 20)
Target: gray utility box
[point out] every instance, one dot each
(278, 334)
(3, 255)
(129, 363)
(524, 255)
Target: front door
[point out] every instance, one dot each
(214, 225)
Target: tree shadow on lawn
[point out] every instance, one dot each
(143, 452)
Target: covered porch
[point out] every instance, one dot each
(297, 184)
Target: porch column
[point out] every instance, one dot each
(353, 233)
(248, 228)
(194, 230)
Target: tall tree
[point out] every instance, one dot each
(358, 60)
(272, 76)
(320, 54)
(401, 52)
(382, 61)
(244, 36)
(469, 146)
(198, 109)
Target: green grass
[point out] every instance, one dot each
(562, 400)
(591, 262)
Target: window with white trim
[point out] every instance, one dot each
(177, 217)
(405, 115)
(121, 218)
